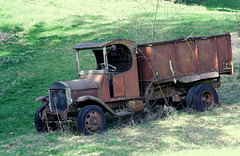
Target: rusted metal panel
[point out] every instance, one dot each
(197, 77)
(206, 55)
(105, 94)
(159, 61)
(145, 63)
(115, 99)
(115, 104)
(77, 93)
(176, 59)
(196, 56)
(85, 82)
(91, 98)
(135, 105)
(185, 57)
(131, 81)
(118, 85)
(224, 53)
(215, 55)
(85, 85)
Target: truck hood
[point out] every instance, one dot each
(85, 82)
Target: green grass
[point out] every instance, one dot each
(38, 52)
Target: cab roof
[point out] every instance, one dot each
(92, 45)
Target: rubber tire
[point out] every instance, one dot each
(200, 89)
(189, 98)
(82, 115)
(39, 124)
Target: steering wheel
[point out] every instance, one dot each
(113, 68)
(102, 65)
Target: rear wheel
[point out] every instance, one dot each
(189, 98)
(205, 97)
(91, 120)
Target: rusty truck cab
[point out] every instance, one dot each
(116, 63)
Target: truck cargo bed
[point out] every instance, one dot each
(185, 60)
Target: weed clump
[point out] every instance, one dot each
(149, 113)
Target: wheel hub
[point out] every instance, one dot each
(207, 100)
(93, 121)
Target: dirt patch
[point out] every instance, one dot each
(3, 35)
(236, 51)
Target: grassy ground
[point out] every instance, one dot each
(36, 40)
(216, 131)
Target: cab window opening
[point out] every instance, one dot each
(120, 57)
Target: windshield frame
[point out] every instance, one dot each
(92, 72)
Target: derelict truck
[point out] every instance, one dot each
(127, 77)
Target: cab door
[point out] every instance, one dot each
(123, 75)
(116, 85)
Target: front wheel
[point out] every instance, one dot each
(205, 97)
(39, 124)
(91, 120)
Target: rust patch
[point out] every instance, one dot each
(118, 85)
(135, 105)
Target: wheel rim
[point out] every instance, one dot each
(93, 121)
(207, 100)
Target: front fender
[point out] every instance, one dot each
(44, 99)
(100, 102)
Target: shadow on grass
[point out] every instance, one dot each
(220, 5)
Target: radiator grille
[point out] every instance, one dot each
(58, 100)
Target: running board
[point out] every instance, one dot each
(124, 113)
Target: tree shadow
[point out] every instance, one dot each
(41, 36)
(220, 5)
